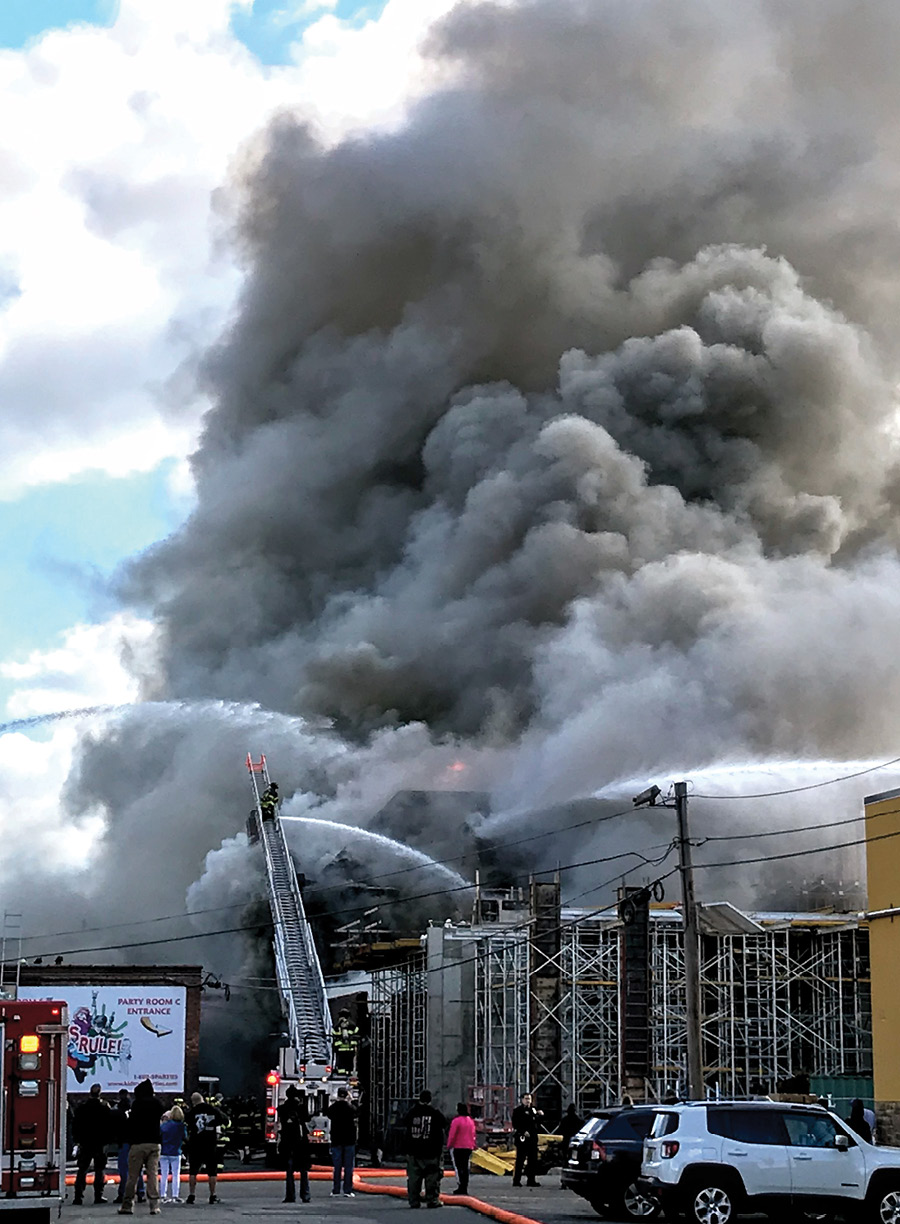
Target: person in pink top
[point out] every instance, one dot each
(461, 1143)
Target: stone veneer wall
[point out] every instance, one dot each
(888, 1115)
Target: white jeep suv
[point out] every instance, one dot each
(711, 1160)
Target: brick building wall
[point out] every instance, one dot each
(188, 976)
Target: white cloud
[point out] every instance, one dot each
(113, 140)
(110, 278)
(294, 14)
(32, 774)
(85, 669)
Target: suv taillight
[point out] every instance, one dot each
(598, 1151)
(668, 1148)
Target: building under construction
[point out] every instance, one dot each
(582, 1006)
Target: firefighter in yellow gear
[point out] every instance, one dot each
(269, 801)
(344, 1043)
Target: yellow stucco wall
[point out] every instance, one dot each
(883, 875)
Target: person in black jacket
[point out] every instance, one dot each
(143, 1152)
(857, 1120)
(92, 1130)
(119, 1118)
(342, 1116)
(202, 1121)
(569, 1126)
(425, 1127)
(293, 1144)
(525, 1129)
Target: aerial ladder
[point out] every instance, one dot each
(305, 1058)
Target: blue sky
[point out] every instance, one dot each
(22, 20)
(267, 29)
(119, 132)
(62, 541)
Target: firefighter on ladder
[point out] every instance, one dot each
(344, 1043)
(269, 801)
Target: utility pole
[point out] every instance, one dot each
(696, 1089)
(695, 1085)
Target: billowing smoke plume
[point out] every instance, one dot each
(555, 436)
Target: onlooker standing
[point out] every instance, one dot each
(461, 1144)
(342, 1116)
(857, 1120)
(120, 1137)
(525, 1128)
(70, 1131)
(869, 1115)
(171, 1135)
(143, 1150)
(92, 1130)
(203, 1120)
(570, 1125)
(293, 1145)
(425, 1128)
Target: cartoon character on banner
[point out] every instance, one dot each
(94, 1039)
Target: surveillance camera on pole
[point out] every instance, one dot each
(648, 797)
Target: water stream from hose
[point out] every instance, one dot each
(389, 843)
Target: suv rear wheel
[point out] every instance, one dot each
(713, 1201)
(631, 1204)
(635, 1204)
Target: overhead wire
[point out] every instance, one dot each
(385, 902)
(264, 923)
(325, 889)
(796, 790)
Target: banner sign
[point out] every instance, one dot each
(120, 1035)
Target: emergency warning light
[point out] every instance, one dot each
(272, 1078)
(29, 1058)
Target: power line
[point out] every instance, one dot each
(263, 923)
(796, 790)
(562, 926)
(769, 858)
(362, 908)
(816, 828)
(326, 889)
(507, 845)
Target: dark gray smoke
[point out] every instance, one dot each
(556, 432)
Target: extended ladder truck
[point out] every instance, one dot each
(305, 1061)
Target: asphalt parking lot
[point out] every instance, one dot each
(547, 1204)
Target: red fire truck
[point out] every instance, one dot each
(32, 1107)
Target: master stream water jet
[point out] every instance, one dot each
(398, 847)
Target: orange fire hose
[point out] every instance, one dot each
(360, 1180)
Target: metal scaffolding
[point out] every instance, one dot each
(791, 999)
(398, 1018)
(502, 1008)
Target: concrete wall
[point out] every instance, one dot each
(450, 1032)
